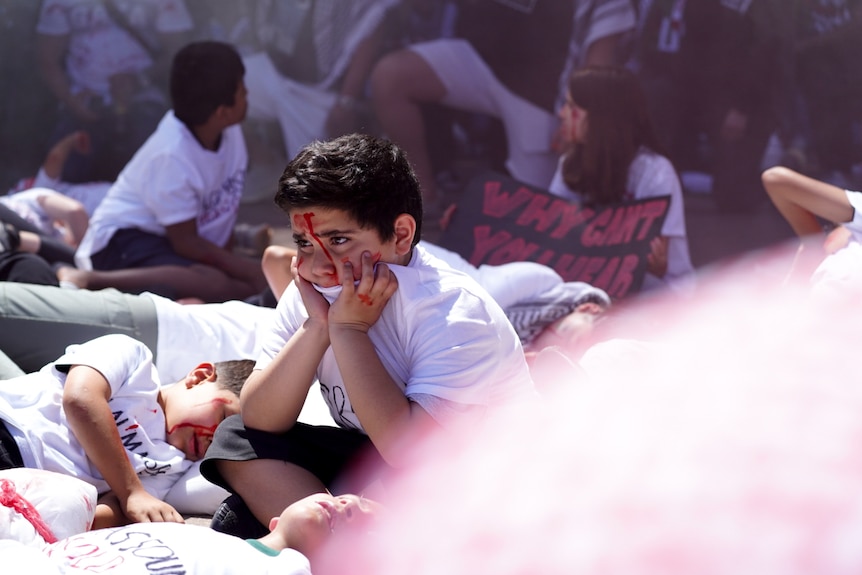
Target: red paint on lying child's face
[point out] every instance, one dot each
(193, 412)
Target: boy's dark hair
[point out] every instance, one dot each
(369, 178)
(204, 76)
(231, 375)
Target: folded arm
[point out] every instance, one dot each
(85, 402)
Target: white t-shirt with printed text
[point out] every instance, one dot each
(172, 179)
(32, 408)
(440, 336)
(148, 548)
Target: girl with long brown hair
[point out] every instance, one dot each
(611, 155)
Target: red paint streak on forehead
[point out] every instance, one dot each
(299, 223)
(310, 227)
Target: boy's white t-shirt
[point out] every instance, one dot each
(172, 179)
(32, 407)
(98, 47)
(651, 175)
(440, 337)
(148, 548)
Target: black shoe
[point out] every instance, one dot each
(234, 518)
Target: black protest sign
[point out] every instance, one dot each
(501, 220)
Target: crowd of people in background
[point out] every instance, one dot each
(153, 112)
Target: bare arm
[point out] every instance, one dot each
(186, 242)
(272, 398)
(389, 418)
(801, 200)
(85, 401)
(69, 212)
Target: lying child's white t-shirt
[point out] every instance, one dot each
(146, 548)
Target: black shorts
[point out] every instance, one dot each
(329, 453)
(10, 455)
(133, 248)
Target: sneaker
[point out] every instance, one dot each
(234, 518)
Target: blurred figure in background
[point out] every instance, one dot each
(829, 79)
(710, 69)
(506, 60)
(310, 70)
(106, 62)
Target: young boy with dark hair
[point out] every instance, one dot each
(166, 223)
(400, 342)
(99, 413)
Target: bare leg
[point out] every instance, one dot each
(205, 282)
(400, 83)
(801, 200)
(268, 486)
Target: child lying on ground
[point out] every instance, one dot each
(99, 413)
(293, 537)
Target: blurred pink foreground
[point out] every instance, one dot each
(726, 439)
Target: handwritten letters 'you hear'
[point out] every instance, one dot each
(501, 220)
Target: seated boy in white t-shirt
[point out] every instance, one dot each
(400, 342)
(166, 224)
(100, 413)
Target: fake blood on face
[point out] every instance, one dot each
(304, 223)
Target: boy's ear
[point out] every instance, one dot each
(272, 523)
(203, 372)
(405, 231)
